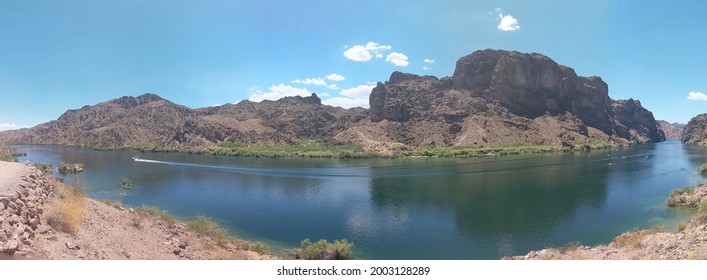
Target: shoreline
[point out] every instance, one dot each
(687, 241)
(392, 151)
(43, 218)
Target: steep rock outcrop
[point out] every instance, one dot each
(673, 131)
(696, 130)
(635, 123)
(502, 97)
(531, 84)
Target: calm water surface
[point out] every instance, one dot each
(421, 208)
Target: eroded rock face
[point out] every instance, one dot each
(635, 122)
(496, 84)
(696, 130)
(531, 84)
(148, 120)
(673, 131)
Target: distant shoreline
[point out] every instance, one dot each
(361, 152)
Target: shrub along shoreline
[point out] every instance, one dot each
(314, 149)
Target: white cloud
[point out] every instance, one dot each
(311, 81)
(427, 60)
(323, 94)
(335, 77)
(371, 46)
(364, 53)
(362, 91)
(10, 126)
(345, 102)
(508, 23)
(696, 95)
(277, 92)
(425, 68)
(322, 81)
(352, 97)
(358, 53)
(398, 59)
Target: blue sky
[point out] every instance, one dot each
(59, 55)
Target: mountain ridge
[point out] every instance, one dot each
(494, 97)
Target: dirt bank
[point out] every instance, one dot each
(687, 241)
(103, 232)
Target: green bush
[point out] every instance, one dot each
(703, 206)
(156, 212)
(207, 227)
(703, 169)
(323, 250)
(45, 168)
(676, 196)
(126, 184)
(70, 167)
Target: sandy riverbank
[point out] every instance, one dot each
(105, 232)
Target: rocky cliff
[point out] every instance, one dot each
(673, 131)
(148, 120)
(696, 130)
(504, 97)
(494, 97)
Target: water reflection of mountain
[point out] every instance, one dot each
(504, 198)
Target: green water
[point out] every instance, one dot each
(417, 208)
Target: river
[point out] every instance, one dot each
(410, 208)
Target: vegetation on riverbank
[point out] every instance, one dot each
(70, 167)
(323, 250)
(658, 242)
(201, 225)
(316, 149)
(45, 168)
(8, 153)
(703, 169)
(67, 212)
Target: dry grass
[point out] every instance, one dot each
(570, 247)
(112, 203)
(680, 226)
(679, 197)
(207, 227)
(632, 239)
(67, 212)
(156, 212)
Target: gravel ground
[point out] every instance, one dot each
(10, 176)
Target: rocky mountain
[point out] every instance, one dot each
(696, 130)
(149, 120)
(503, 97)
(673, 131)
(494, 97)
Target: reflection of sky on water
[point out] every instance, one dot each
(418, 208)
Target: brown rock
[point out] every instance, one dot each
(696, 130)
(72, 246)
(11, 247)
